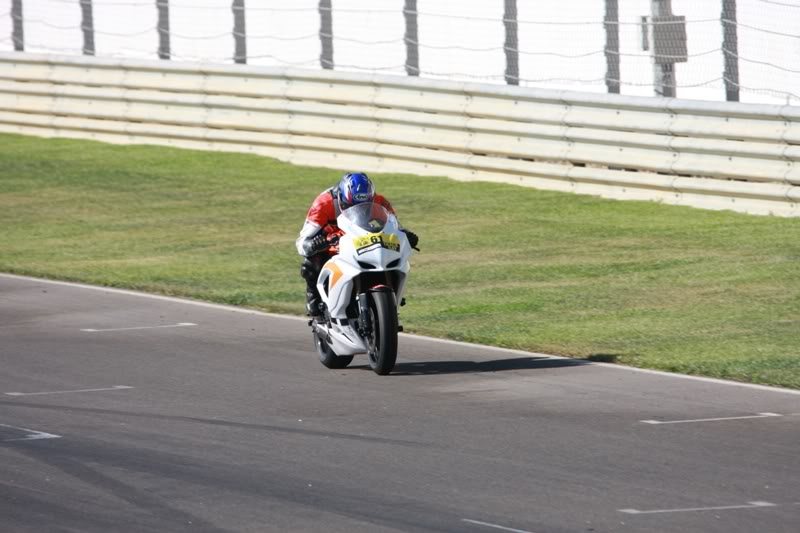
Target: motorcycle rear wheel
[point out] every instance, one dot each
(383, 340)
(327, 356)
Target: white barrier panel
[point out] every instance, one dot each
(711, 155)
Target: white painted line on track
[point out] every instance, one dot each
(173, 299)
(749, 505)
(495, 526)
(178, 325)
(696, 420)
(208, 305)
(115, 387)
(34, 435)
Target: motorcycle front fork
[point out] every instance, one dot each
(364, 322)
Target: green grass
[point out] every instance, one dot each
(679, 289)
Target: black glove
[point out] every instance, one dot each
(413, 240)
(317, 244)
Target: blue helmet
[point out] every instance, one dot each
(355, 188)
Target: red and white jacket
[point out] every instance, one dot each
(322, 217)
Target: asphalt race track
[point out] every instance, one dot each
(123, 412)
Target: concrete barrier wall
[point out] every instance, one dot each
(710, 155)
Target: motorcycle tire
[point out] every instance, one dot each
(327, 357)
(383, 340)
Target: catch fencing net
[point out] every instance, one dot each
(746, 50)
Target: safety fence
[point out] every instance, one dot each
(711, 155)
(719, 50)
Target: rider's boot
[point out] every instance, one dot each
(313, 304)
(309, 270)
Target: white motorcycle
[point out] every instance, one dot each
(360, 288)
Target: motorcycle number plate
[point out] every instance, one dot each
(371, 241)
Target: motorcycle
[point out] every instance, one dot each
(360, 287)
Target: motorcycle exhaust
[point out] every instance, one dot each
(321, 331)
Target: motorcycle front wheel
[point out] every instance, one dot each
(327, 357)
(383, 339)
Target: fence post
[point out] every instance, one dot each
(163, 29)
(612, 46)
(17, 31)
(411, 37)
(730, 49)
(87, 25)
(511, 46)
(239, 32)
(326, 33)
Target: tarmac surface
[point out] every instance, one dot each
(127, 412)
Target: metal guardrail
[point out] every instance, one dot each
(710, 155)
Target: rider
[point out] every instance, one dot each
(320, 226)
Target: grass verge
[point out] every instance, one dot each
(670, 288)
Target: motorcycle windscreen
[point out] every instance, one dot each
(368, 216)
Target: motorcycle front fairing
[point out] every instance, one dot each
(373, 252)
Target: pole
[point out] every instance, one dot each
(17, 30)
(326, 34)
(611, 23)
(411, 38)
(663, 73)
(730, 49)
(239, 32)
(163, 29)
(511, 46)
(87, 25)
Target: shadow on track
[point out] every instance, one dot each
(468, 367)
